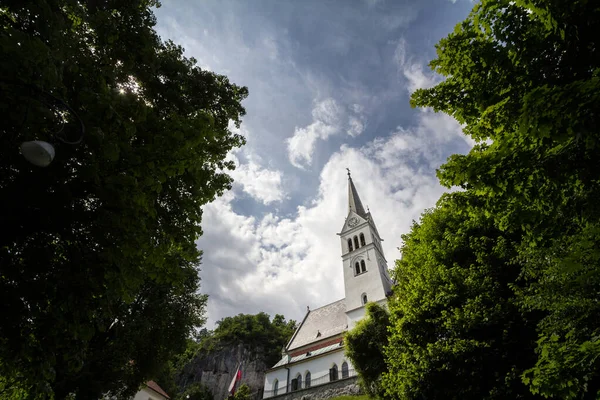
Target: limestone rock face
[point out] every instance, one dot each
(216, 369)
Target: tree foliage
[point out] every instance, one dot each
(98, 262)
(365, 345)
(256, 331)
(456, 332)
(523, 77)
(195, 391)
(243, 393)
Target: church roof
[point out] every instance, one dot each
(154, 386)
(326, 349)
(321, 323)
(354, 203)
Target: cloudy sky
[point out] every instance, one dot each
(329, 86)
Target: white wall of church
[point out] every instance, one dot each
(318, 367)
(357, 314)
(279, 375)
(369, 283)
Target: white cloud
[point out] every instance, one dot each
(281, 264)
(373, 3)
(328, 118)
(261, 183)
(301, 146)
(355, 126)
(250, 176)
(412, 70)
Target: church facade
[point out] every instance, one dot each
(315, 353)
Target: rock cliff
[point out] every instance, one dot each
(215, 370)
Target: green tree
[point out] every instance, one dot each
(196, 391)
(456, 332)
(98, 261)
(243, 393)
(365, 345)
(523, 77)
(256, 331)
(172, 368)
(563, 279)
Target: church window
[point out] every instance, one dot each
(333, 373)
(356, 242)
(357, 268)
(363, 267)
(350, 245)
(362, 239)
(275, 387)
(345, 370)
(307, 379)
(364, 298)
(299, 379)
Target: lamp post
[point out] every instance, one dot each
(39, 152)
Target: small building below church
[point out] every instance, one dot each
(315, 354)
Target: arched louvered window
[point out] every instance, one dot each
(350, 245)
(357, 268)
(344, 370)
(362, 239)
(363, 266)
(356, 242)
(307, 379)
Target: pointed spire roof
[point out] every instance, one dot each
(354, 202)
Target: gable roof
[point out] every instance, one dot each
(154, 386)
(319, 324)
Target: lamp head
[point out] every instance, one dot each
(38, 152)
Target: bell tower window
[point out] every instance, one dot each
(363, 267)
(350, 245)
(362, 239)
(355, 242)
(356, 268)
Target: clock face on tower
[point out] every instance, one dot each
(352, 222)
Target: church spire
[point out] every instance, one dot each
(354, 203)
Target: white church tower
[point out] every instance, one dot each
(366, 276)
(315, 353)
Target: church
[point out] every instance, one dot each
(315, 353)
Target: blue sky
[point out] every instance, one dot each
(329, 86)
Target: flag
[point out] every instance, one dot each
(236, 378)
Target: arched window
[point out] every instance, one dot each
(350, 245)
(307, 379)
(357, 268)
(275, 387)
(333, 373)
(362, 239)
(344, 370)
(363, 267)
(299, 381)
(364, 298)
(356, 242)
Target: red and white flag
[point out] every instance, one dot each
(236, 378)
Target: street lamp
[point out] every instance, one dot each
(39, 152)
